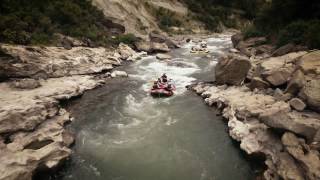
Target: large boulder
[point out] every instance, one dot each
(232, 69)
(236, 39)
(304, 124)
(280, 77)
(159, 47)
(310, 63)
(311, 93)
(288, 48)
(159, 38)
(296, 82)
(172, 44)
(156, 37)
(278, 70)
(52, 62)
(307, 158)
(264, 49)
(256, 41)
(152, 47)
(125, 52)
(163, 56)
(244, 48)
(66, 43)
(143, 46)
(287, 168)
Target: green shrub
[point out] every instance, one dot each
(293, 33)
(313, 34)
(166, 18)
(129, 39)
(251, 31)
(37, 21)
(301, 32)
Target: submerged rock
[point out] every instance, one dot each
(26, 84)
(163, 56)
(119, 74)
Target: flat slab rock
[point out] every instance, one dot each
(34, 125)
(52, 62)
(251, 118)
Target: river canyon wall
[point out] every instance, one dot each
(32, 122)
(271, 98)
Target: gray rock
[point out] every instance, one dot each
(236, 39)
(158, 38)
(264, 49)
(296, 82)
(287, 168)
(310, 63)
(258, 83)
(54, 62)
(163, 56)
(281, 96)
(66, 43)
(297, 104)
(303, 124)
(119, 74)
(26, 84)
(159, 47)
(278, 70)
(310, 93)
(284, 50)
(279, 77)
(288, 48)
(309, 159)
(143, 46)
(232, 70)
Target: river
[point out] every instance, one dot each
(124, 134)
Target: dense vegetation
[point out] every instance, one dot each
(164, 17)
(38, 21)
(289, 21)
(283, 21)
(215, 12)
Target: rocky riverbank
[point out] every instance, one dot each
(271, 99)
(35, 80)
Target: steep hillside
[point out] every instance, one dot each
(41, 22)
(141, 16)
(288, 21)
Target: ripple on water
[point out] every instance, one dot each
(131, 135)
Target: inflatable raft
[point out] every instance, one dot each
(162, 91)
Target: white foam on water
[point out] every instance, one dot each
(179, 75)
(95, 170)
(171, 121)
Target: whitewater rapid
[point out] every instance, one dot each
(122, 133)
